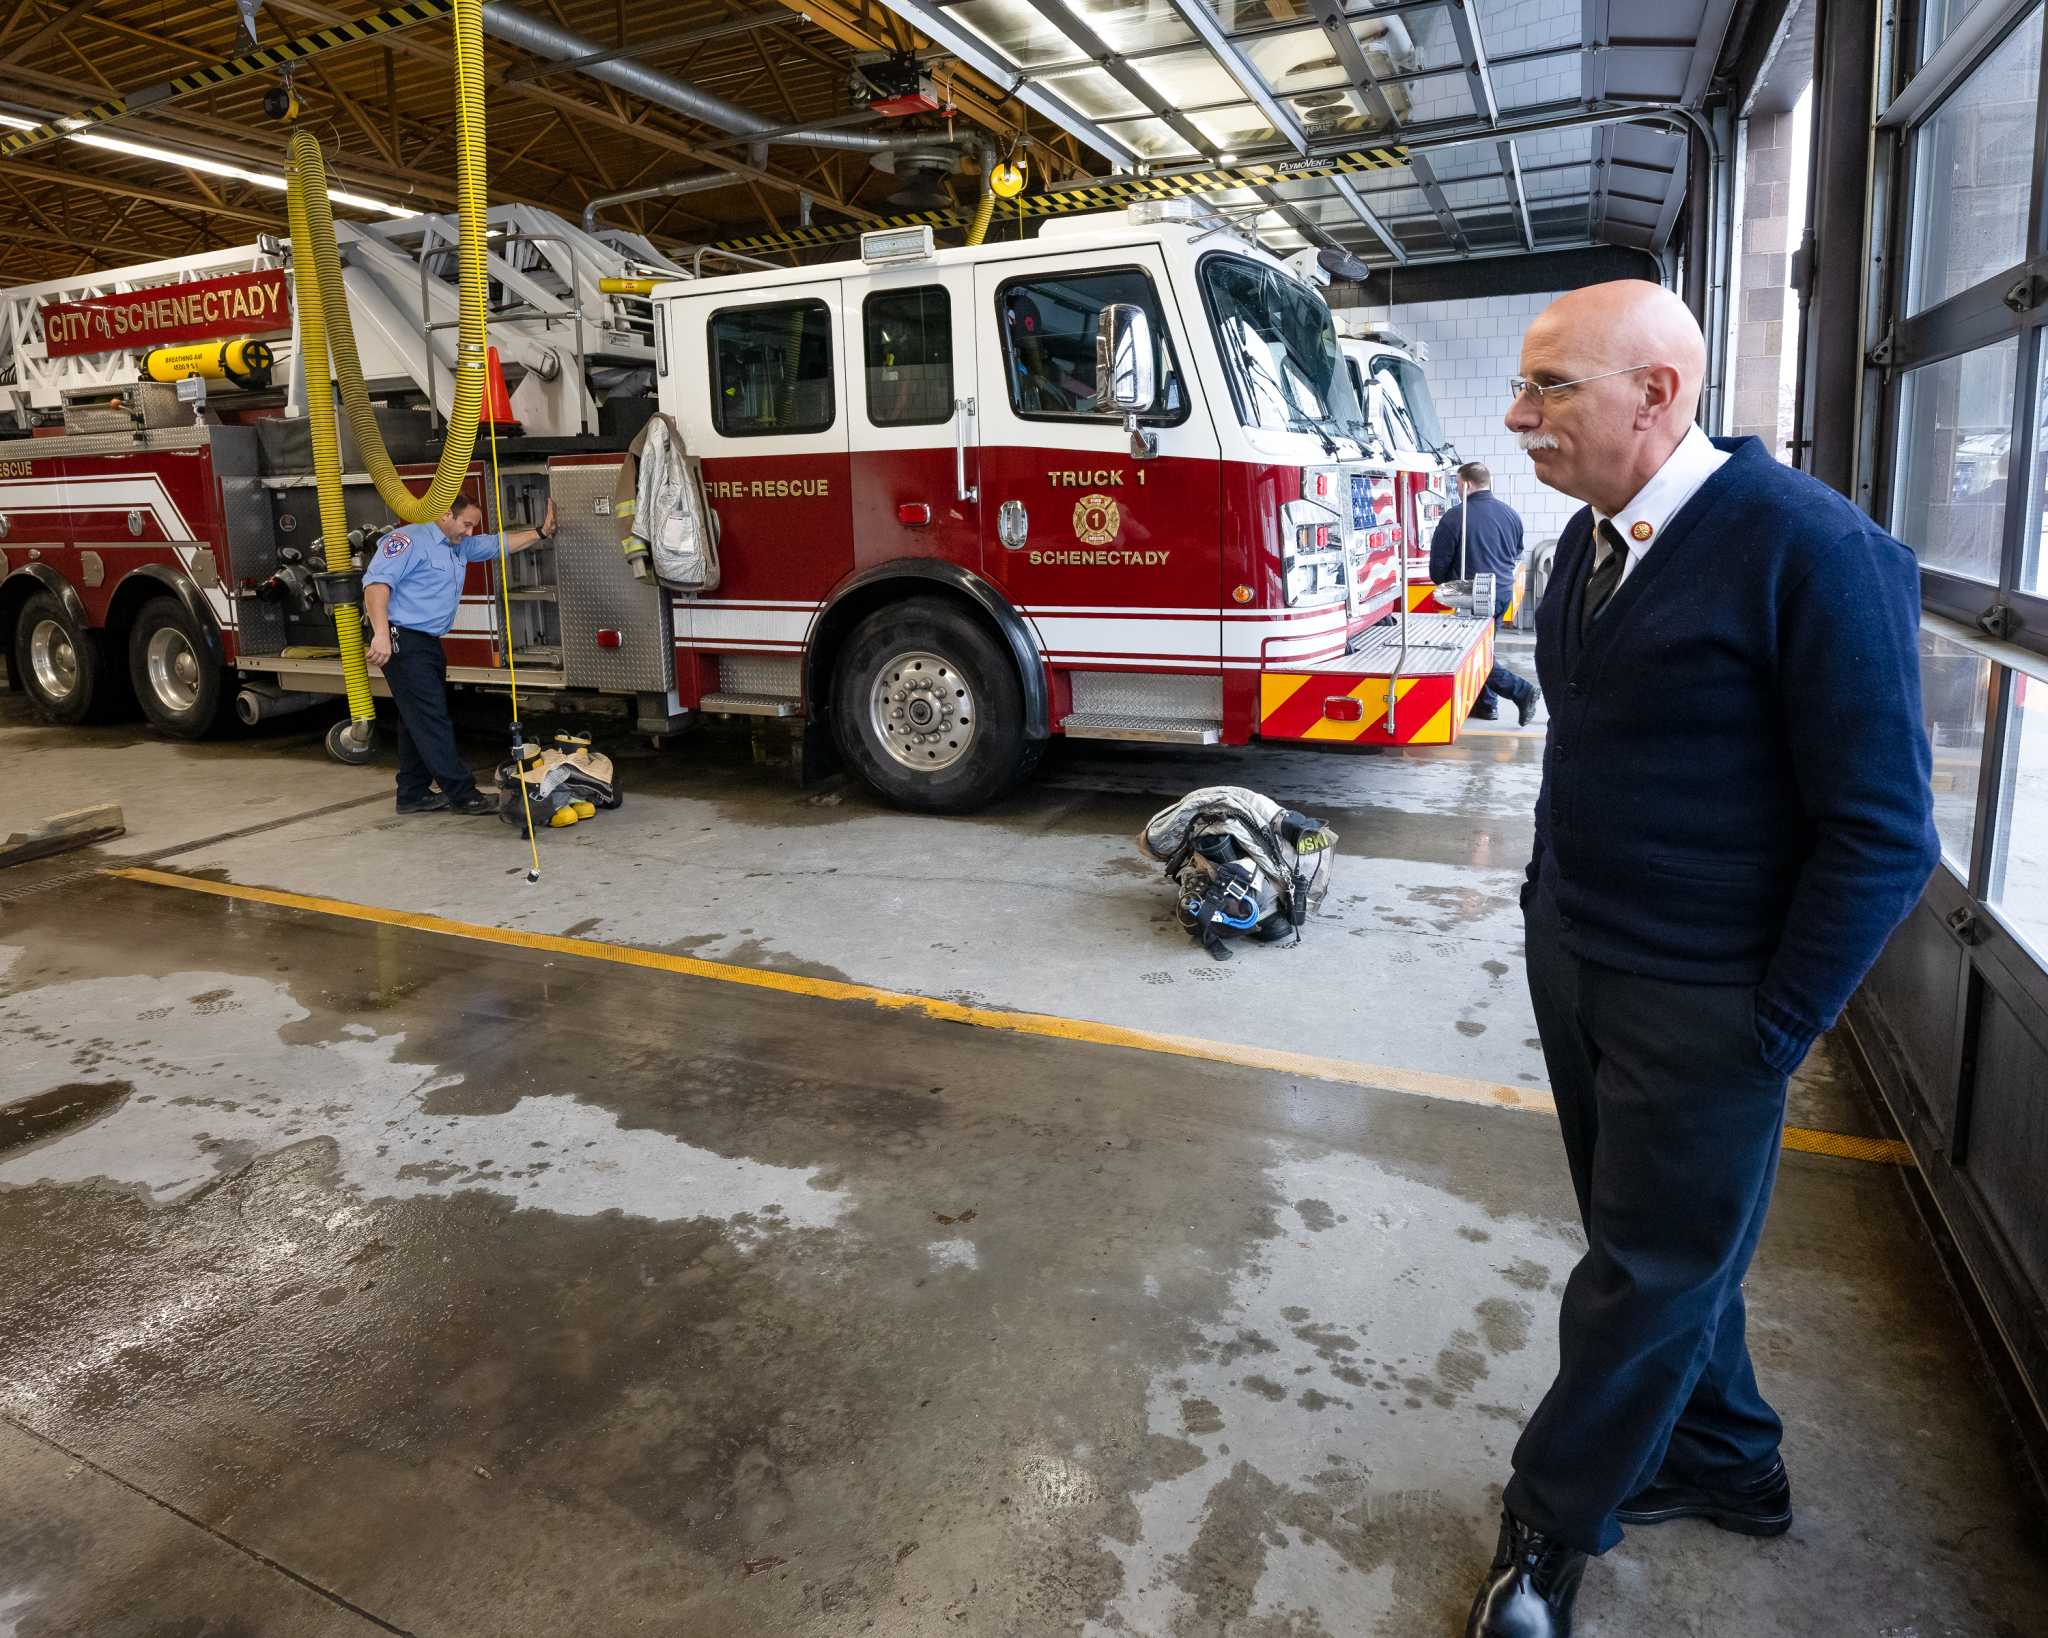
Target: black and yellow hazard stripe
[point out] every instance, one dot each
(1111, 193)
(262, 60)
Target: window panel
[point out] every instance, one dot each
(1017, 30)
(1232, 129)
(1049, 329)
(1153, 138)
(1292, 64)
(1093, 93)
(1953, 442)
(909, 347)
(2019, 868)
(1020, 30)
(1525, 84)
(2033, 575)
(771, 369)
(1279, 347)
(1940, 21)
(1972, 174)
(1189, 79)
(1955, 683)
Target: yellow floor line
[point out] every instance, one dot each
(1307, 1066)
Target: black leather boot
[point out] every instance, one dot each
(1530, 1590)
(1763, 1507)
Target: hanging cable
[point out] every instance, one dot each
(511, 657)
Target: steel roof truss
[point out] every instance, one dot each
(1348, 192)
(1197, 15)
(1472, 52)
(1367, 91)
(1097, 50)
(1511, 170)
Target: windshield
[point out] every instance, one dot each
(1409, 405)
(1280, 349)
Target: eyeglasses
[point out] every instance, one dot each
(1520, 386)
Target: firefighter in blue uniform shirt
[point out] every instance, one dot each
(411, 591)
(1482, 534)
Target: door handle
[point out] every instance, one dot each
(963, 411)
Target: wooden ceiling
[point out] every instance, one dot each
(385, 114)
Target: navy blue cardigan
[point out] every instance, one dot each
(1735, 785)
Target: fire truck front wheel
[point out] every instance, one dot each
(928, 709)
(169, 662)
(58, 661)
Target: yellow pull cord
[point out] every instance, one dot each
(511, 663)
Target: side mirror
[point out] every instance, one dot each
(1375, 411)
(1126, 370)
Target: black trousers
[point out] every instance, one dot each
(1671, 1123)
(418, 674)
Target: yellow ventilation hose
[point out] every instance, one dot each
(977, 229)
(325, 335)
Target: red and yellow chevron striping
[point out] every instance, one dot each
(1350, 708)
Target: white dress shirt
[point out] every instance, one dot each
(1641, 523)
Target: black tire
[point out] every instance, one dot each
(954, 737)
(59, 662)
(174, 667)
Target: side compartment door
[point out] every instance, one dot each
(759, 385)
(910, 332)
(1116, 560)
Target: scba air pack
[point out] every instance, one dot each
(1242, 866)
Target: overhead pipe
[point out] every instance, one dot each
(704, 182)
(545, 39)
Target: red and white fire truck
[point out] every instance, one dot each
(1109, 482)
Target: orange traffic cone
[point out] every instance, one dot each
(497, 401)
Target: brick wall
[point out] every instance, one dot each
(1761, 403)
(1474, 346)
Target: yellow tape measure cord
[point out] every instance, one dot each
(511, 660)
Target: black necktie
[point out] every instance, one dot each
(1605, 577)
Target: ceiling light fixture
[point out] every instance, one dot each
(211, 167)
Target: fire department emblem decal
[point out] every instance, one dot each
(1096, 520)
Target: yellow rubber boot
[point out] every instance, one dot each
(564, 816)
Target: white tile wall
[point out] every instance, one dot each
(1474, 346)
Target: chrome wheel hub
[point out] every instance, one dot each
(53, 659)
(923, 712)
(173, 669)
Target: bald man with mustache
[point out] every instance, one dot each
(1735, 815)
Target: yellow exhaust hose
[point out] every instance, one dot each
(325, 335)
(348, 617)
(978, 228)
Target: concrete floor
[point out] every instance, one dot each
(372, 1280)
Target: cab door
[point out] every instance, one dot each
(1116, 559)
(758, 383)
(914, 489)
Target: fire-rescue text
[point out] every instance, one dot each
(770, 489)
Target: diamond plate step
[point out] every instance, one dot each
(749, 705)
(1153, 730)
